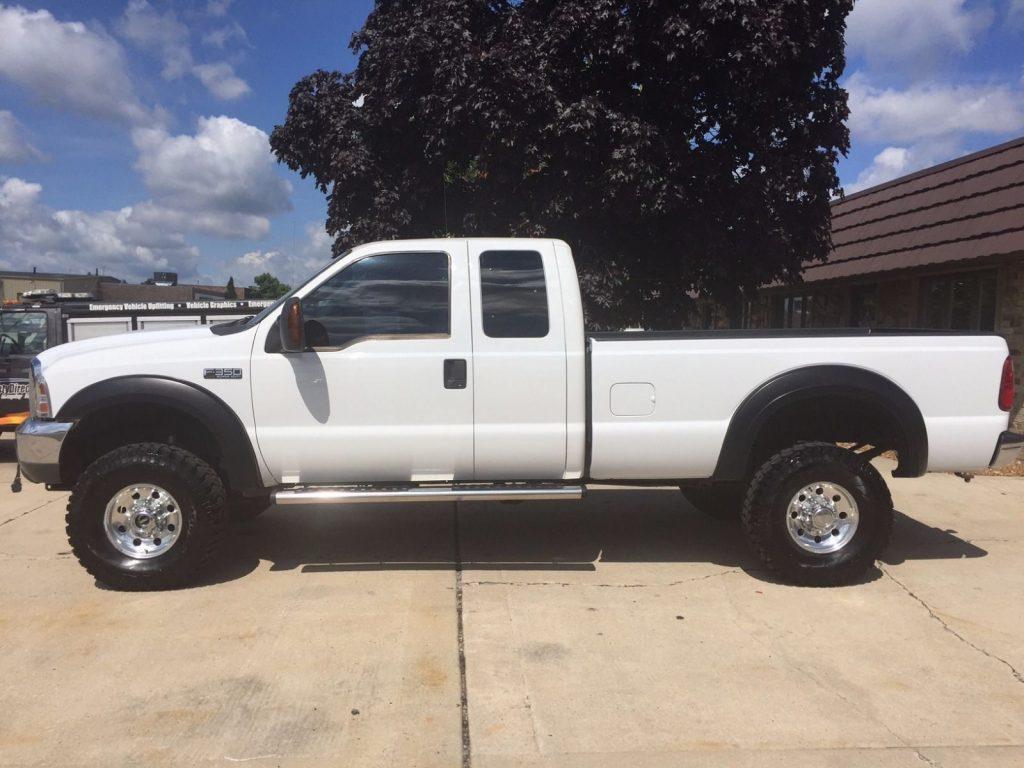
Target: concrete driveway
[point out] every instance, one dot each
(624, 631)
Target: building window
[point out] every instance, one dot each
(961, 302)
(863, 306)
(791, 311)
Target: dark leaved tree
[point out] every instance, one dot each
(229, 289)
(266, 286)
(679, 147)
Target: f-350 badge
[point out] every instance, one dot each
(222, 373)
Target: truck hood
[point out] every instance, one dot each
(122, 341)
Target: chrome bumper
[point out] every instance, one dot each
(38, 446)
(1007, 449)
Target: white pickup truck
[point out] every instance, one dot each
(455, 369)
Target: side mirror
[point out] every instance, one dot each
(291, 326)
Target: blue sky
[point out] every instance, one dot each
(133, 133)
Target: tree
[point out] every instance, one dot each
(267, 287)
(680, 147)
(229, 289)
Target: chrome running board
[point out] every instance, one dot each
(370, 494)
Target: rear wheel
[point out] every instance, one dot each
(146, 516)
(818, 514)
(722, 501)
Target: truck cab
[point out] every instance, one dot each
(433, 361)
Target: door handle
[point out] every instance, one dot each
(454, 374)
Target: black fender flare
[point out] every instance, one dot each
(238, 460)
(815, 381)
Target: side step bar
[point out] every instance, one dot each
(320, 494)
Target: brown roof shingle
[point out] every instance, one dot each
(968, 208)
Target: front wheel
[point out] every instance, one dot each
(818, 514)
(146, 516)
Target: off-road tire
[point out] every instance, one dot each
(190, 480)
(772, 488)
(721, 501)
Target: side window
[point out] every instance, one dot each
(513, 295)
(390, 294)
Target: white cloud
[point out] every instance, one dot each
(893, 162)
(163, 33)
(14, 147)
(220, 37)
(218, 8)
(913, 35)
(931, 110)
(223, 179)
(289, 267)
(220, 80)
(148, 29)
(1015, 13)
(122, 242)
(68, 65)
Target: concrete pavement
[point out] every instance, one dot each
(627, 630)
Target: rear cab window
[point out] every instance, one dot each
(513, 294)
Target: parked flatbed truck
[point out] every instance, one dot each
(457, 369)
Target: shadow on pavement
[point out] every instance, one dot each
(610, 526)
(913, 540)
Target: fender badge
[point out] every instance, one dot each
(222, 373)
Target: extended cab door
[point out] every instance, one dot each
(384, 392)
(519, 361)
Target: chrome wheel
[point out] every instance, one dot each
(142, 521)
(822, 517)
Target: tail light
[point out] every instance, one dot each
(1006, 393)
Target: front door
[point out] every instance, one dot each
(385, 391)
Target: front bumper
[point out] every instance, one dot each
(1008, 447)
(38, 446)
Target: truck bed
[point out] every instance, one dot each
(662, 402)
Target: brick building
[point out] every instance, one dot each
(13, 284)
(940, 248)
(104, 288)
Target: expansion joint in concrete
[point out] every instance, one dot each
(467, 755)
(942, 622)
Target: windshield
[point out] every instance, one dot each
(249, 322)
(22, 333)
